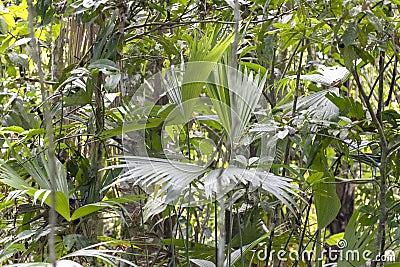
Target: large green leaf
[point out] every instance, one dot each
(62, 204)
(132, 126)
(112, 81)
(196, 251)
(204, 53)
(327, 202)
(79, 98)
(350, 34)
(356, 239)
(103, 64)
(109, 203)
(348, 106)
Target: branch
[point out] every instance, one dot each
(382, 70)
(393, 81)
(175, 23)
(364, 99)
(169, 25)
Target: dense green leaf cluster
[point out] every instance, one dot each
(199, 133)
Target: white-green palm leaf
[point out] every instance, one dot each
(315, 106)
(235, 95)
(172, 83)
(329, 76)
(246, 92)
(172, 176)
(221, 181)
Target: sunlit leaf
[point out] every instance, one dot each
(3, 25)
(203, 263)
(21, 41)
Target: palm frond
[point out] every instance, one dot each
(218, 92)
(10, 177)
(247, 249)
(235, 95)
(204, 53)
(221, 181)
(317, 78)
(38, 169)
(172, 83)
(61, 263)
(168, 180)
(329, 76)
(203, 263)
(172, 176)
(315, 106)
(106, 255)
(153, 206)
(246, 92)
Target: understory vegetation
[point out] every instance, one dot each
(199, 133)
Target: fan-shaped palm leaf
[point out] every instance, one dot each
(11, 177)
(246, 92)
(235, 95)
(106, 255)
(330, 76)
(172, 176)
(316, 106)
(221, 181)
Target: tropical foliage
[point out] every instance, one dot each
(199, 133)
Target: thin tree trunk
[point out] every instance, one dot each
(379, 247)
(52, 175)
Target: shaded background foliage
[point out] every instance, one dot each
(336, 128)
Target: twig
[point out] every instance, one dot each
(351, 181)
(364, 99)
(380, 76)
(168, 25)
(175, 23)
(393, 81)
(29, 79)
(304, 231)
(236, 19)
